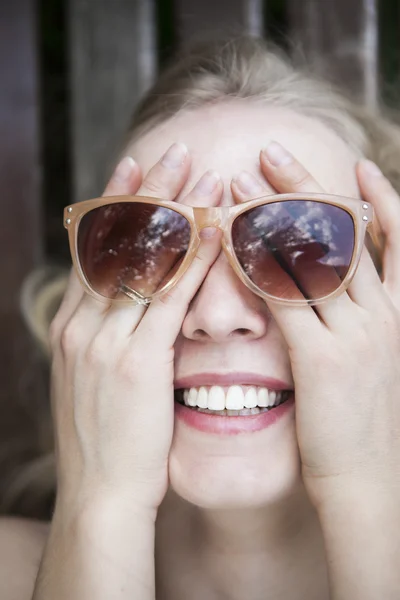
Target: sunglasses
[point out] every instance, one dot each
(289, 248)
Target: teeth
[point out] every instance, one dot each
(235, 398)
(202, 398)
(192, 400)
(234, 413)
(216, 398)
(250, 399)
(263, 397)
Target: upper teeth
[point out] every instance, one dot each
(235, 397)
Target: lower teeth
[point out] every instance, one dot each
(235, 413)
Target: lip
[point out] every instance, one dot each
(227, 379)
(224, 425)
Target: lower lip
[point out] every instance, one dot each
(231, 425)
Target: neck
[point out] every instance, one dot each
(247, 553)
(266, 529)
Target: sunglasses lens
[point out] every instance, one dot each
(295, 249)
(126, 248)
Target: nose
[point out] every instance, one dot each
(224, 309)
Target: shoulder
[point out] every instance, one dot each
(22, 543)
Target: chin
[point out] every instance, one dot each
(243, 471)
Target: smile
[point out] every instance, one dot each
(231, 401)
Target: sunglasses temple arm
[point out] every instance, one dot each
(378, 239)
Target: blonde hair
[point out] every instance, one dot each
(240, 67)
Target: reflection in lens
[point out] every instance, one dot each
(134, 246)
(295, 249)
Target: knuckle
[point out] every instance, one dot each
(129, 367)
(362, 331)
(71, 337)
(387, 187)
(330, 362)
(320, 358)
(54, 333)
(200, 259)
(324, 356)
(98, 352)
(169, 298)
(153, 187)
(300, 177)
(201, 264)
(391, 324)
(182, 292)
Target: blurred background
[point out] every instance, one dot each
(71, 72)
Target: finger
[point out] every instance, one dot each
(245, 187)
(288, 175)
(364, 291)
(166, 179)
(366, 288)
(72, 296)
(300, 325)
(86, 311)
(285, 173)
(172, 307)
(305, 281)
(207, 192)
(125, 179)
(376, 188)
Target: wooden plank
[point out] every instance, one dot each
(22, 387)
(113, 61)
(389, 64)
(196, 19)
(341, 40)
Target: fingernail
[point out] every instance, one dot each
(247, 183)
(124, 169)
(372, 168)
(277, 155)
(207, 183)
(208, 232)
(175, 156)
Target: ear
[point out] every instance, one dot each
(40, 297)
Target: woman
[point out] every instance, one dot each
(298, 495)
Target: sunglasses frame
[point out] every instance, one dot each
(222, 217)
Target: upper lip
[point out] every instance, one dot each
(226, 379)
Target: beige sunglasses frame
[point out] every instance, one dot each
(222, 218)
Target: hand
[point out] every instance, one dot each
(113, 366)
(345, 356)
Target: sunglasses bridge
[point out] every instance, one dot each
(213, 216)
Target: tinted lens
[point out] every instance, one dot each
(131, 246)
(295, 249)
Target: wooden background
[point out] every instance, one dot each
(71, 72)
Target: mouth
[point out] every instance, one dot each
(232, 401)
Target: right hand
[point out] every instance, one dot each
(112, 381)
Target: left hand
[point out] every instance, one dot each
(345, 357)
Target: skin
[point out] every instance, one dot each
(240, 516)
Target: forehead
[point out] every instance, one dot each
(228, 137)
